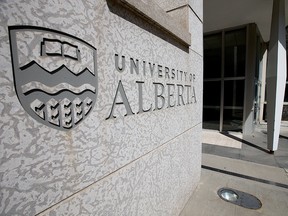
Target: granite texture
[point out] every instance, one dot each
(196, 30)
(195, 5)
(119, 159)
(158, 16)
(156, 184)
(181, 14)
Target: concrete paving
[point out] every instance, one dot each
(205, 201)
(242, 163)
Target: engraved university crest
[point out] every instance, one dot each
(55, 75)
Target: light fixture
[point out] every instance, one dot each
(228, 195)
(239, 198)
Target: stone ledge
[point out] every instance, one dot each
(156, 15)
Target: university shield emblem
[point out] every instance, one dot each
(55, 75)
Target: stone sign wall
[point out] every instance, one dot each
(101, 108)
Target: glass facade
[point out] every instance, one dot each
(229, 67)
(224, 79)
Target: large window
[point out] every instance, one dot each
(224, 79)
(212, 81)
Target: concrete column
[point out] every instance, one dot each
(276, 74)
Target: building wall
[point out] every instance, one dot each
(135, 163)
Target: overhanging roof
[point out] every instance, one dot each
(221, 14)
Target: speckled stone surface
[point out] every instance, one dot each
(156, 184)
(196, 6)
(140, 164)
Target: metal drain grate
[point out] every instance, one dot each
(239, 198)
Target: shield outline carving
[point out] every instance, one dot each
(63, 111)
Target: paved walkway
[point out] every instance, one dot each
(244, 164)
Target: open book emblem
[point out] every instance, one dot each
(55, 75)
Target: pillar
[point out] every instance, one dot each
(276, 74)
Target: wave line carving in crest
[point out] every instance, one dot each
(76, 73)
(53, 90)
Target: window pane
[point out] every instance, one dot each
(212, 93)
(211, 118)
(232, 119)
(286, 94)
(285, 113)
(234, 93)
(212, 56)
(235, 53)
